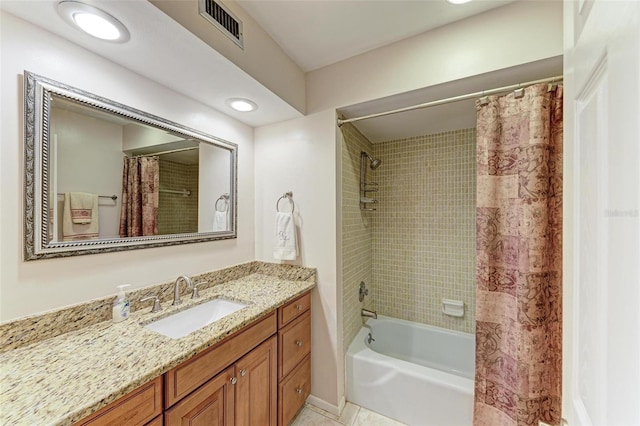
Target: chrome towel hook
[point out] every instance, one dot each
(288, 195)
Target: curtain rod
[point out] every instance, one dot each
(165, 152)
(453, 99)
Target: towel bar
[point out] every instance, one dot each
(113, 197)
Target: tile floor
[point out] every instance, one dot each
(352, 415)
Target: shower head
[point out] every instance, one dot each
(374, 163)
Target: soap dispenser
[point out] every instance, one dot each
(121, 305)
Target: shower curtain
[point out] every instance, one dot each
(519, 259)
(140, 195)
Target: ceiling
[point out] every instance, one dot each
(314, 33)
(163, 51)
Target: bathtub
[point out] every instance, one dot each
(417, 374)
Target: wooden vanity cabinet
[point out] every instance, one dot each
(244, 393)
(266, 387)
(188, 376)
(261, 375)
(294, 357)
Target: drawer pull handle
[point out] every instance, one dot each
(299, 343)
(243, 372)
(299, 307)
(299, 390)
(234, 380)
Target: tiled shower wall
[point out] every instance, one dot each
(356, 233)
(178, 214)
(423, 233)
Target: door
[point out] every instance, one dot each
(256, 389)
(601, 355)
(210, 405)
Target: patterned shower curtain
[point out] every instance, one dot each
(140, 196)
(519, 259)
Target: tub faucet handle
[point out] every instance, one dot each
(370, 338)
(364, 291)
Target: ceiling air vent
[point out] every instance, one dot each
(223, 19)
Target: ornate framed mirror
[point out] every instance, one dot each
(101, 176)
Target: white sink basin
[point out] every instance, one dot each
(184, 322)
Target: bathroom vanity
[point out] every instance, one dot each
(250, 368)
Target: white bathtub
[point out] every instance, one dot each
(417, 374)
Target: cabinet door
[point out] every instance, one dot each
(256, 389)
(211, 405)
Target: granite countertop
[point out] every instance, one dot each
(61, 380)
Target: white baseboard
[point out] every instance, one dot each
(336, 410)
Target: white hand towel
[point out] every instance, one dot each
(81, 206)
(286, 246)
(220, 221)
(74, 231)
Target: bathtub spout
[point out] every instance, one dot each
(370, 314)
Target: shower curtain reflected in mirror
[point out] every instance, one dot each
(519, 259)
(140, 197)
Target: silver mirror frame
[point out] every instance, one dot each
(37, 110)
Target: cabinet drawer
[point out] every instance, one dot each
(294, 343)
(136, 408)
(293, 391)
(293, 309)
(186, 377)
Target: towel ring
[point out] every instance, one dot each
(288, 195)
(225, 199)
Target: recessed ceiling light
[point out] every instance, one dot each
(93, 21)
(458, 1)
(242, 104)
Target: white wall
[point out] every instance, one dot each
(136, 136)
(36, 286)
(300, 156)
(213, 181)
(88, 158)
(522, 32)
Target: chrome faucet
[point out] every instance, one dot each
(176, 294)
(368, 313)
